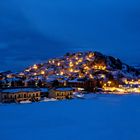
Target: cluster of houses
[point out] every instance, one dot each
(58, 89)
(58, 78)
(18, 95)
(55, 87)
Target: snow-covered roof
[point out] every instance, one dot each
(15, 90)
(43, 89)
(64, 89)
(75, 80)
(12, 79)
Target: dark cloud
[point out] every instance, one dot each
(22, 45)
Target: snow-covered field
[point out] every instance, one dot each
(103, 117)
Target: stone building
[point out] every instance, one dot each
(21, 94)
(61, 93)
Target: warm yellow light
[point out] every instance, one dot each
(61, 73)
(53, 61)
(91, 76)
(91, 55)
(71, 64)
(71, 70)
(102, 76)
(35, 74)
(35, 67)
(42, 72)
(109, 82)
(81, 75)
(100, 67)
(80, 60)
(95, 67)
(58, 64)
(76, 58)
(27, 70)
(104, 85)
(77, 63)
(86, 68)
(126, 82)
(76, 71)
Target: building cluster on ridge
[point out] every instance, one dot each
(91, 71)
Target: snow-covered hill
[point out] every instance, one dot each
(80, 65)
(83, 64)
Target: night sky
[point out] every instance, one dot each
(32, 31)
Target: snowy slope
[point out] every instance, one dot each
(105, 117)
(72, 66)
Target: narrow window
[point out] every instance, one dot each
(24, 95)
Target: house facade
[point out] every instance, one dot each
(20, 94)
(61, 93)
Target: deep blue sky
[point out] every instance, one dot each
(35, 30)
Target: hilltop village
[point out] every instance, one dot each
(61, 78)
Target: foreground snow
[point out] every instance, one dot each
(103, 117)
(48, 100)
(25, 102)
